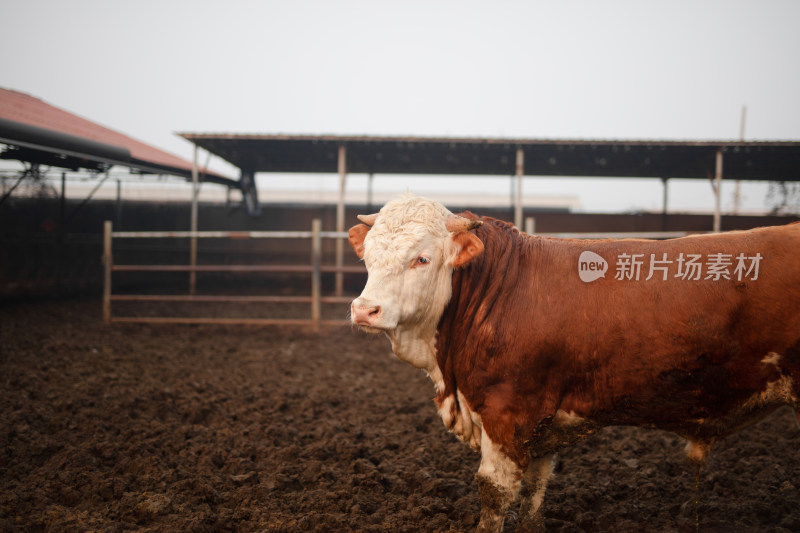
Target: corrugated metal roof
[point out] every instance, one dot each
(748, 160)
(475, 140)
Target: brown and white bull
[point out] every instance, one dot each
(534, 343)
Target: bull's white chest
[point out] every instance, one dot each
(418, 350)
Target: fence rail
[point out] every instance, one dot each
(315, 269)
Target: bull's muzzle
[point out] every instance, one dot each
(365, 315)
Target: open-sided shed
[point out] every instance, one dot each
(343, 154)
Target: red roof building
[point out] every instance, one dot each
(36, 129)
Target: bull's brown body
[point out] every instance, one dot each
(524, 338)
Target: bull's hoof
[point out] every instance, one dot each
(490, 524)
(531, 524)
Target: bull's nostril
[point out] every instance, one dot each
(375, 311)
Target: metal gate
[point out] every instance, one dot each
(314, 269)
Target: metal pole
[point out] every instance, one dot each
(63, 202)
(118, 220)
(107, 263)
(193, 224)
(530, 225)
(737, 193)
(718, 192)
(511, 201)
(316, 269)
(62, 230)
(742, 123)
(369, 192)
(518, 197)
(664, 205)
(340, 217)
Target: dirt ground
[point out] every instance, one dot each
(185, 428)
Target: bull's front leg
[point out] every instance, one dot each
(499, 480)
(537, 475)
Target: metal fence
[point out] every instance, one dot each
(314, 269)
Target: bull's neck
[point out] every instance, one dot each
(481, 285)
(417, 347)
(492, 275)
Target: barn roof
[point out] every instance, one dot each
(40, 132)
(745, 160)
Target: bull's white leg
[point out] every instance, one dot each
(536, 478)
(499, 480)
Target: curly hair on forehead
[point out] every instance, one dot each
(417, 209)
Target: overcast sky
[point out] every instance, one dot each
(566, 69)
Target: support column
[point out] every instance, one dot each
(369, 192)
(340, 217)
(737, 193)
(718, 192)
(512, 186)
(118, 218)
(530, 225)
(316, 272)
(193, 225)
(247, 184)
(664, 205)
(62, 206)
(108, 260)
(518, 196)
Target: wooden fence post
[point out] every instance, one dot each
(316, 272)
(107, 264)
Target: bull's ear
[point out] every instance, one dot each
(469, 247)
(356, 238)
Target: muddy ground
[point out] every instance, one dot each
(222, 428)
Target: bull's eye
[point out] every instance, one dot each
(422, 261)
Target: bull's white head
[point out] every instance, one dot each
(410, 249)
